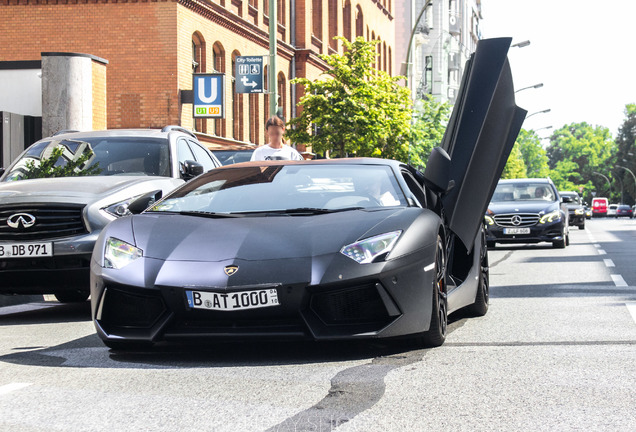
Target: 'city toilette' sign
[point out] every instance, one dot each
(209, 95)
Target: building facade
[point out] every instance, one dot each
(151, 50)
(445, 36)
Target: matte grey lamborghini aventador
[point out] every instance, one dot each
(327, 249)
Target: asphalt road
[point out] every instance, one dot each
(557, 351)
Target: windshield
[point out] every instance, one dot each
(94, 156)
(523, 192)
(279, 188)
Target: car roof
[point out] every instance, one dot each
(568, 193)
(526, 180)
(148, 133)
(340, 161)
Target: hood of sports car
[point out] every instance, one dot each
(193, 238)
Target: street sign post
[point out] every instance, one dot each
(249, 74)
(209, 95)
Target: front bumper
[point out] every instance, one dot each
(360, 301)
(67, 270)
(548, 232)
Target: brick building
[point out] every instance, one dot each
(152, 48)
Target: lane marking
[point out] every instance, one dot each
(618, 280)
(631, 307)
(602, 252)
(5, 389)
(609, 263)
(598, 246)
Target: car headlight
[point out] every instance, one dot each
(489, 220)
(553, 216)
(119, 209)
(579, 211)
(367, 250)
(118, 254)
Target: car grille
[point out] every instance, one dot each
(355, 305)
(516, 220)
(51, 221)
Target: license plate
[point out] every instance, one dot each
(516, 230)
(25, 250)
(232, 301)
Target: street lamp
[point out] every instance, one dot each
(608, 182)
(408, 52)
(538, 112)
(633, 176)
(545, 127)
(536, 86)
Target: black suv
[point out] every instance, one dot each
(576, 210)
(526, 211)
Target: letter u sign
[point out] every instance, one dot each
(209, 95)
(202, 91)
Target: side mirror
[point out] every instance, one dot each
(191, 169)
(144, 201)
(1, 171)
(436, 173)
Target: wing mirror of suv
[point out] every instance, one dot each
(145, 201)
(437, 170)
(191, 169)
(1, 171)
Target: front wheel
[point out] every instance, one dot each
(480, 307)
(436, 334)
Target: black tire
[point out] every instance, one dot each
(559, 244)
(582, 227)
(480, 307)
(436, 334)
(72, 296)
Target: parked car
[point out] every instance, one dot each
(576, 211)
(527, 211)
(599, 207)
(612, 210)
(321, 249)
(633, 211)
(588, 211)
(48, 226)
(623, 210)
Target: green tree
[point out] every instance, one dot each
(626, 152)
(533, 154)
(515, 166)
(57, 165)
(430, 120)
(354, 108)
(576, 152)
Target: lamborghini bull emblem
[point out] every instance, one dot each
(230, 270)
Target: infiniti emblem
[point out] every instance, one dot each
(516, 220)
(21, 220)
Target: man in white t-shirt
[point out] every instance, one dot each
(275, 150)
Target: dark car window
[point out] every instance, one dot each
(202, 156)
(415, 188)
(111, 156)
(229, 157)
(283, 187)
(531, 191)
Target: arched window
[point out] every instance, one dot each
(237, 104)
(280, 12)
(346, 20)
(316, 18)
(198, 66)
(218, 64)
(333, 24)
(359, 22)
(282, 94)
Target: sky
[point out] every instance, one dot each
(583, 51)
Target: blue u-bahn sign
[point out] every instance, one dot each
(209, 95)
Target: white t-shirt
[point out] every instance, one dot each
(265, 152)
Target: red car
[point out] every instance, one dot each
(599, 206)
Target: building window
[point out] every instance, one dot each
(254, 4)
(198, 66)
(218, 65)
(316, 18)
(346, 20)
(282, 94)
(333, 24)
(384, 57)
(390, 62)
(359, 22)
(280, 12)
